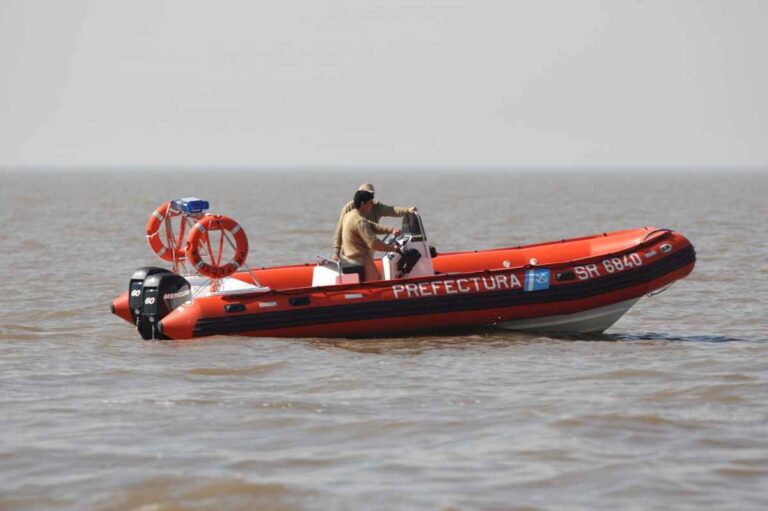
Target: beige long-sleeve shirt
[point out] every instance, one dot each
(379, 210)
(358, 238)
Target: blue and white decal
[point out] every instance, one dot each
(536, 280)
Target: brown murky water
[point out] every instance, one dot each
(668, 410)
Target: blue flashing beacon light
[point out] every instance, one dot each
(190, 205)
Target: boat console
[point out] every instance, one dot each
(413, 257)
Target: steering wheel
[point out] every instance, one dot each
(401, 241)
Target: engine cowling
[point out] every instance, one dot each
(161, 293)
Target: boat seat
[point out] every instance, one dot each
(351, 268)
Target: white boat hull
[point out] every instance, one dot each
(589, 321)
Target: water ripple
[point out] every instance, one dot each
(668, 410)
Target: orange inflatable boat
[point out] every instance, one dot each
(574, 285)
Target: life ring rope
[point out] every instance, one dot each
(171, 249)
(199, 240)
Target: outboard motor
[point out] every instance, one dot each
(161, 293)
(134, 288)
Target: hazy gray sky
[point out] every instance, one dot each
(361, 82)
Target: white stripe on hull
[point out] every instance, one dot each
(589, 321)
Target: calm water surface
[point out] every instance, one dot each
(667, 410)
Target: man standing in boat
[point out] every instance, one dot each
(375, 213)
(358, 238)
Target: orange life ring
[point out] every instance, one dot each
(199, 235)
(155, 238)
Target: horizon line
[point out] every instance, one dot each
(397, 167)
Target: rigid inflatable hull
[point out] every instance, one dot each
(564, 290)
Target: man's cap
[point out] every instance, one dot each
(367, 187)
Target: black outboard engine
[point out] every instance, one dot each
(134, 288)
(160, 294)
